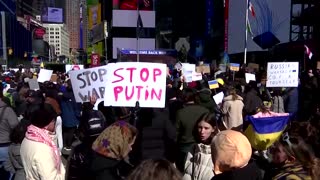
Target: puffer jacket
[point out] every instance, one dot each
(232, 111)
(199, 163)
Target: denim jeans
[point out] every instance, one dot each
(3, 155)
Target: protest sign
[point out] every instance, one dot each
(234, 67)
(203, 69)
(318, 65)
(44, 75)
(70, 67)
(33, 84)
(218, 98)
(253, 66)
(250, 77)
(223, 67)
(213, 84)
(88, 82)
(196, 76)
(188, 68)
(283, 74)
(130, 82)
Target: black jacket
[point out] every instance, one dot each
(249, 172)
(103, 168)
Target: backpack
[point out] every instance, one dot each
(95, 123)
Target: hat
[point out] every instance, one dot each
(230, 149)
(220, 81)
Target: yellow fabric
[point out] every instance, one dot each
(220, 81)
(261, 141)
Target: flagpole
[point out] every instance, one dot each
(138, 32)
(246, 34)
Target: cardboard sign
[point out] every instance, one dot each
(54, 78)
(203, 69)
(33, 84)
(283, 74)
(234, 67)
(218, 98)
(250, 77)
(253, 66)
(130, 82)
(70, 67)
(44, 75)
(89, 82)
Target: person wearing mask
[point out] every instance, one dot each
(231, 152)
(155, 169)
(292, 158)
(186, 119)
(199, 163)
(110, 149)
(232, 111)
(39, 154)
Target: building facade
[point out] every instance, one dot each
(73, 22)
(57, 35)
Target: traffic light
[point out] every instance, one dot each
(10, 51)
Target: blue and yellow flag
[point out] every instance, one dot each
(264, 131)
(234, 67)
(213, 84)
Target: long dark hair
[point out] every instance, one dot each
(155, 169)
(209, 118)
(295, 146)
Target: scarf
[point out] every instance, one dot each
(42, 136)
(114, 141)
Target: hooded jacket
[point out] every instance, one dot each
(8, 120)
(232, 110)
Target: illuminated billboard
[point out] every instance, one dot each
(144, 5)
(52, 15)
(94, 15)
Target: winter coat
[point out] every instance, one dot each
(290, 171)
(8, 120)
(14, 163)
(70, 110)
(103, 168)
(252, 102)
(186, 119)
(278, 105)
(249, 172)
(38, 161)
(199, 163)
(291, 100)
(232, 110)
(205, 99)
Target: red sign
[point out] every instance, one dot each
(95, 60)
(38, 33)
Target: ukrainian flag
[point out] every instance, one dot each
(234, 67)
(213, 84)
(262, 132)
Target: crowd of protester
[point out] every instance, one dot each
(45, 134)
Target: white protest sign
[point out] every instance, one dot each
(188, 67)
(33, 84)
(283, 74)
(70, 67)
(250, 77)
(218, 98)
(196, 76)
(44, 75)
(130, 82)
(88, 82)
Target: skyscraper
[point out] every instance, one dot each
(73, 22)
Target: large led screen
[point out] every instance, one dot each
(52, 15)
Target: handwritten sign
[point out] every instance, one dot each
(130, 82)
(250, 77)
(283, 74)
(234, 67)
(44, 75)
(203, 69)
(88, 82)
(253, 66)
